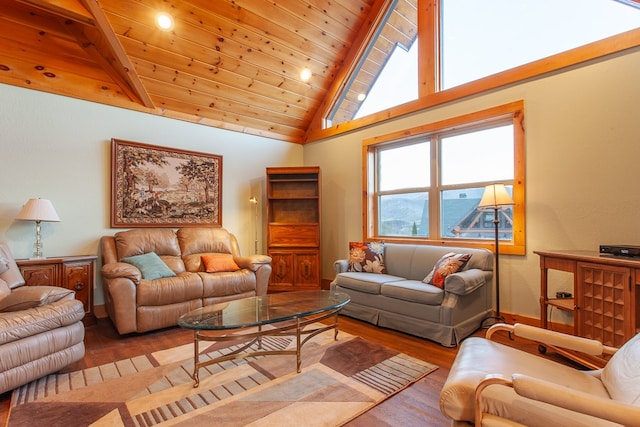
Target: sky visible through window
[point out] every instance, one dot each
(485, 37)
(481, 38)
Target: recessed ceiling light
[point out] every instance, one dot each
(305, 75)
(361, 97)
(164, 21)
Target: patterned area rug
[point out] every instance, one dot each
(339, 380)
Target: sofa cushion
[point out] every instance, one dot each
(139, 242)
(150, 265)
(449, 263)
(366, 257)
(27, 297)
(365, 282)
(181, 288)
(414, 291)
(621, 376)
(227, 283)
(199, 240)
(214, 263)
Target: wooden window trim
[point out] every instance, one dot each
(515, 111)
(428, 73)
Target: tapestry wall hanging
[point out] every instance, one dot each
(153, 186)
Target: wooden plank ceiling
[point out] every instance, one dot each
(232, 64)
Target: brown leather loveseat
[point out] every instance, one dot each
(190, 268)
(41, 329)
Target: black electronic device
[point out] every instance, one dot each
(620, 250)
(563, 295)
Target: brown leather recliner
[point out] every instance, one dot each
(41, 329)
(136, 303)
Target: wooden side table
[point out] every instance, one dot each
(606, 294)
(71, 272)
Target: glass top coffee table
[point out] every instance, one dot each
(250, 319)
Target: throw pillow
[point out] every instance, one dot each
(215, 263)
(150, 265)
(366, 257)
(26, 297)
(449, 263)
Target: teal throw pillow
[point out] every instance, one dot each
(150, 265)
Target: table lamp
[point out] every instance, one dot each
(38, 210)
(495, 196)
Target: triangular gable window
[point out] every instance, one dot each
(476, 40)
(377, 72)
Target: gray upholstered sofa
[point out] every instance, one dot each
(400, 300)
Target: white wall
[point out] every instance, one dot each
(58, 148)
(582, 157)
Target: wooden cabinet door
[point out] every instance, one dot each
(307, 270)
(604, 303)
(41, 275)
(282, 272)
(77, 278)
(294, 270)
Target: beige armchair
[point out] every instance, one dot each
(41, 328)
(491, 384)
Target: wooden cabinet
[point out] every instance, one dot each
(604, 309)
(606, 292)
(293, 227)
(73, 272)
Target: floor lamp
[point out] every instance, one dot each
(495, 197)
(254, 201)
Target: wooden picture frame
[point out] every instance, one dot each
(153, 186)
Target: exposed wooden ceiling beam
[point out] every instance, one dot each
(66, 9)
(358, 48)
(109, 51)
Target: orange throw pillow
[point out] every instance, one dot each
(216, 263)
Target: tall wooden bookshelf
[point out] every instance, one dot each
(293, 227)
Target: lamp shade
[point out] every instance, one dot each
(495, 195)
(38, 210)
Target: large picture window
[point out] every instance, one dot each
(424, 184)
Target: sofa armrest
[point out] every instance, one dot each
(562, 397)
(574, 400)
(252, 262)
(340, 266)
(467, 281)
(553, 338)
(123, 270)
(16, 325)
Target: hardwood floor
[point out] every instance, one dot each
(415, 406)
